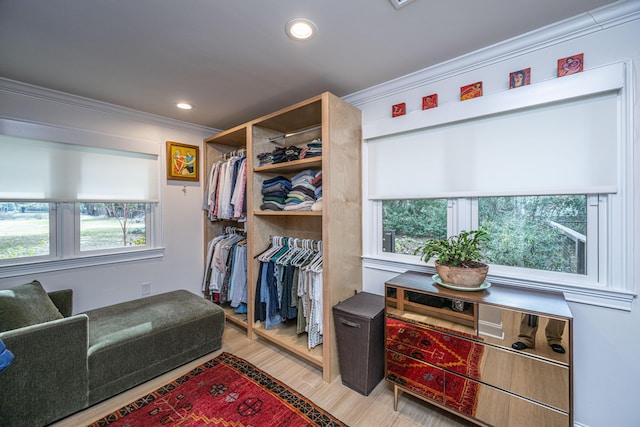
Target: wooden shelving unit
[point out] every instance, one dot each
(215, 148)
(338, 225)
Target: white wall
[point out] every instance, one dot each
(606, 345)
(181, 214)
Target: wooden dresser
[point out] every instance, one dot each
(453, 349)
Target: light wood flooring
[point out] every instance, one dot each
(349, 406)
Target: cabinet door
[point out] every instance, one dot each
(431, 310)
(433, 346)
(504, 327)
(535, 372)
(496, 407)
(529, 377)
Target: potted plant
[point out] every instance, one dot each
(459, 258)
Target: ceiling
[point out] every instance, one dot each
(232, 59)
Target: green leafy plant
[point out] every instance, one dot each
(463, 250)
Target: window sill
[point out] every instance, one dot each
(600, 297)
(84, 261)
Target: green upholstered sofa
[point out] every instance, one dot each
(65, 363)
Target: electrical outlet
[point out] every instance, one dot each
(145, 288)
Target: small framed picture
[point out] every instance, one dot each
(520, 78)
(430, 101)
(571, 65)
(399, 110)
(473, 90)
(182, 161)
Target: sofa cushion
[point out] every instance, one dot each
(134, 341)
(26, 305)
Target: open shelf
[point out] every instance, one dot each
(292, 166)
(235, 318)
(288, 213)
(285, 336)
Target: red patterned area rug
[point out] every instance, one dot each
(225, 391)
(451, 358)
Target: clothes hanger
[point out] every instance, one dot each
(283, 249)
(292, 251)
(303, 254)
(316, 265)
(272, 249)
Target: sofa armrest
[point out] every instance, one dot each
(48, 378)
(63, 299)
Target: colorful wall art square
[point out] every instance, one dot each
(399, 110)
(473, 90)
(520, 78)
(430, 101)
(570, 65)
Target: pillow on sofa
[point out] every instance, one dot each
(26, 305)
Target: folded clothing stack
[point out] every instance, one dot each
(302, 195)
(274, 193)
(290, 153)
(317, 182)
(313, 149)
(265, 159)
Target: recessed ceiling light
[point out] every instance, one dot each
(301, 29)
(184, 106)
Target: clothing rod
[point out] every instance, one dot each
(287, 135)
(240, 153)
(316, 243)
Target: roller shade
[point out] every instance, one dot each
(568, 147)
(36, 170)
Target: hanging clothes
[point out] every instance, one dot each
(225, 276)
(225, 193)
(289, 286)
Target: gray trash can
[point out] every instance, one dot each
(359, 324)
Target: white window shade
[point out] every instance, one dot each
(566, 147)
(49, 171)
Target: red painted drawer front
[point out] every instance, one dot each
(461, 393)
(446, 351)
(416, 376)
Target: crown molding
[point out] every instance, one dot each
(13, 86)
(571, 28)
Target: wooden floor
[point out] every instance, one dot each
(349, 406)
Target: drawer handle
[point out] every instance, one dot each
(349, 323)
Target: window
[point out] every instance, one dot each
(408, 223)
(24, 230)
(75, 203)
(538, 232)
(40, 231)
(547, 233)
(549, 238)
(112, 225)
(550, 174)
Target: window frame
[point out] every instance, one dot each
(64, 226)
(78, 252)
(463, 214)
(597, 287)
